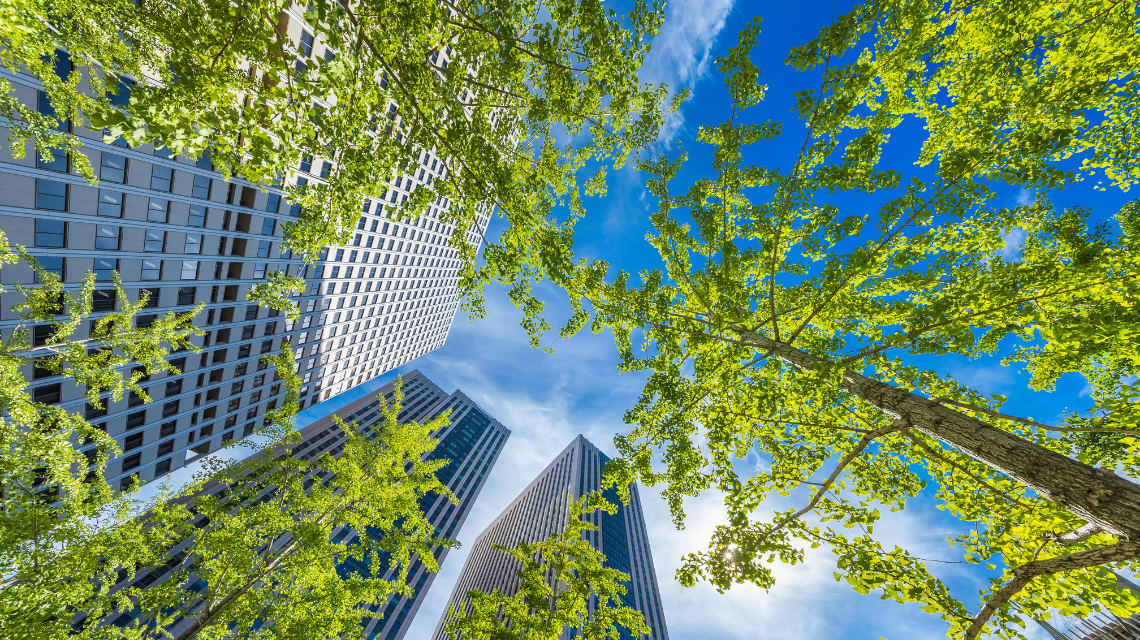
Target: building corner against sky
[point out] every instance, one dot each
(178, 233)
(473, 442)
(540, 511)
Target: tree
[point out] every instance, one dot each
(814, 336)
(557, 577)
(248, 546)
(229, 81)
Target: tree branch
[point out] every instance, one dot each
(1025, 574)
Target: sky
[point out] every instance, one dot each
(546, 400)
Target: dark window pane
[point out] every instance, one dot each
(107, 237)
(50, 233)
(144, 321)
(56, 160)
(131, 462)
(157, 210)
(168, 428)
(103, 300)
(155, 241)
(110, 203)
(273, 204)
(51, 264)
(104, 267)
(151, 296)
(201, 187)
(47, 394)
(161, 178)
(133, 442)
(186, 295)
(136, 419)
(197, 215)
(113, 168)
(151, 269)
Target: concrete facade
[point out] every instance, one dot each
(173, 227)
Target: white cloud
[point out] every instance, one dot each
(1014, 240)
(682, 52)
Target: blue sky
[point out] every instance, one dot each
(548, 399)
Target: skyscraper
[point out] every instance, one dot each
(175, 230)
(541, 510)
(472, 442)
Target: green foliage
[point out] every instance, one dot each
(556, 576)
(771, 327)
(228, 80)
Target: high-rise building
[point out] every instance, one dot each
(175, 230)
(540, 511)
(472, 442)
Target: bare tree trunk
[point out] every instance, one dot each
(1098, 496)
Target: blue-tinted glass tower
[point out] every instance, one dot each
(541, 510)
(473, 443)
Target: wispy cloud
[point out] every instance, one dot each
(683, 50)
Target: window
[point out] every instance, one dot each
(168, 429)
(136, 419)
(110, 203)
(268, 226)
(142, 322)
(151, 296)
(306, 163)
(306, 45)
(130, 462)
(151, 269)
(107, 237)
(50, 264)
(45, 108)
(273, 204)
(47, 394)
(197, 215)
(259, 270)
(158, 210)
(122, 95)
(103, 300)
(103, 269)
(113, 168)
(186, 295)
(263, 248)
(133, 442)
(204, 162)
(201, 187)
(233, 405)
(161, 178)
(326, 169)
(56, 160)
(189, 270)
(251, 311)
(51, 195)
(193, 243)
(170, 408)
(155, 241)
(51, 233)
(163, 466)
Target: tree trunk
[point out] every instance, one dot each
(1098, 496)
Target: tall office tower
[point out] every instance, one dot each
(174, 229)
(472, 442)
(541, 510)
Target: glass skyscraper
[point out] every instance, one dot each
(541, 510)
(472, 442)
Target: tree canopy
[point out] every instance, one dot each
(815, 334)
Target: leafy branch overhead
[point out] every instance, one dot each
(817, 335)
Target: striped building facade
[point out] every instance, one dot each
(540, 511)
(178, 233)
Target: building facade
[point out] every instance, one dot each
(472, 442)
(540, 511)
(179, 234)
